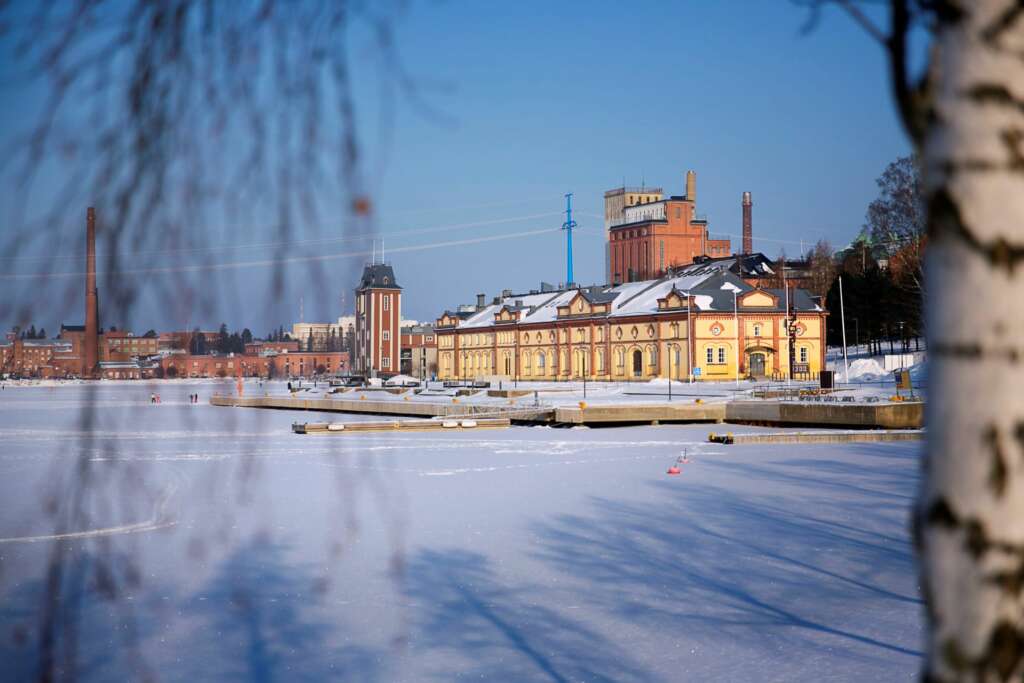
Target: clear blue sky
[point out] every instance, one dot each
(545, 98)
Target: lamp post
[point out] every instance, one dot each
(670, 373)
(736, 322)
(584, 356)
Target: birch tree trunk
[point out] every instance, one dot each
(969, 522)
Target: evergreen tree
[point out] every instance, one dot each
(309, 340)
(223, 339)
(42, 333)
(32, 332)
(246, 337)
(197, 347)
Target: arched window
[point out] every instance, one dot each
(757, 330)
(540, 361)
(527, 360)
(600, 360)
(721, 354)
(620, 357)
(710, 355)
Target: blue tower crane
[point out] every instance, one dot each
(568, 225)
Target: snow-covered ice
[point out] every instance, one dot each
(220, 546)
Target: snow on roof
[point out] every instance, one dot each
(711, 287)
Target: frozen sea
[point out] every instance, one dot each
(180, 542)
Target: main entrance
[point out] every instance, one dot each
(756, 365)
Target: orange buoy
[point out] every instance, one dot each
(673, 470)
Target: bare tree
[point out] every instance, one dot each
(896, 221)
(821, 266)
(184, 123)
(965, 115)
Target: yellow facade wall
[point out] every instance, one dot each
(604, 350)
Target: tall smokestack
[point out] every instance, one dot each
(748, 230)
(691, 186)
(91, 361)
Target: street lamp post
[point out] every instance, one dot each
(736, 322)
(584, 375)
(670, 372)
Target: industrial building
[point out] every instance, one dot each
(648, 233)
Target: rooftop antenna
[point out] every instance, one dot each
(302, 310)
(568, 225)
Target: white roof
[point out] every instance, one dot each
(634, 298)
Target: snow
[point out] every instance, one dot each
(703, 302)
(238, 550)
(867, 369)
(401, 380)
(731, 287)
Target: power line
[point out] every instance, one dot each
(298, 243)
(237, 265)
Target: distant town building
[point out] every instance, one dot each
(265, 348)
(647, 233)
(676, 326)
(378, 316)
(270, 366)
(122, 346)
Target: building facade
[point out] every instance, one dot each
(687, 325)
(651, 234)
(419, 351)
(378, 322)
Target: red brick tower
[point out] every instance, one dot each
(748, 230)
(378, 322)
(91, 357)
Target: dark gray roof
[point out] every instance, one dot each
(720, 288)
(598, 295)
(378, 276)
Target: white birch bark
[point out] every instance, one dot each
(969, 523)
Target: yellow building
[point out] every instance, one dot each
(699, 321)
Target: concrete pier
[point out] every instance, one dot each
(857, 436)
(906, 415)
(639, 413)
(903, 415)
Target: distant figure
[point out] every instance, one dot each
(152, 398)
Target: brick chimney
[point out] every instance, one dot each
(90, 363)
(748, 230)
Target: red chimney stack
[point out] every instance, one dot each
(91, 360)
(748, 230)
